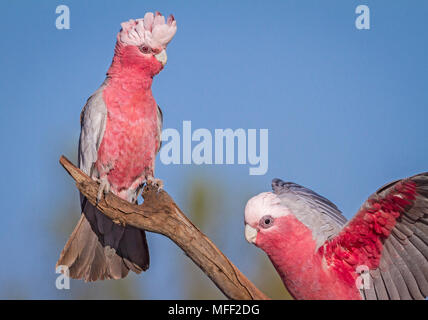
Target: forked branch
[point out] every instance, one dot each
(159, 213)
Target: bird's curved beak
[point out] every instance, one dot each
(250, 234)
(161, 57)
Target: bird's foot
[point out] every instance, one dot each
(155, 182)
(103, 189)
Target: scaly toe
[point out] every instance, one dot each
(155, 182)
(103, 189)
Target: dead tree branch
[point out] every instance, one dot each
(160, 214)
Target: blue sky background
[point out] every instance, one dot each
(347, 111)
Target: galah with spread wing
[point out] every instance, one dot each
(382, 253)
(120, 136)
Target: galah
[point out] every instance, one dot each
(120, 136)
(382, 253)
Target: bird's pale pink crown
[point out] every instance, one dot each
(265, 203)
(152, 31)
(262, 215)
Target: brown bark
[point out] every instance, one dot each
(159, 213)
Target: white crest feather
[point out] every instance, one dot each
(151, 31)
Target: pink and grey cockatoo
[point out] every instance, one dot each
(120, 136)
(382, 253)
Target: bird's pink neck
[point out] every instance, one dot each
(130, 70)
(293, 252)
(128, 87)
(131, 79)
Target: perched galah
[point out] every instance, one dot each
(120, 137)
(382, 253)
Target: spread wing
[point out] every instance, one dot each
(93, 123)
(389, 236)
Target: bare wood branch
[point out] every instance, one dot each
(160, 214)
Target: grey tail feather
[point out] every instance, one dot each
(99, 249)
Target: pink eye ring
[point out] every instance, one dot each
(145, 49)
(266, 221)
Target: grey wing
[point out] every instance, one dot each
(160, 124)
(93, 124)
(403, 269)
(318, 213)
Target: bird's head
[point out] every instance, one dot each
(141, 43)
(289, 212)
(264, 219)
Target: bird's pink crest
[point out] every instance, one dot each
(152, 31)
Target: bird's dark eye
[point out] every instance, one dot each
(145, 49)
(266, 221)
